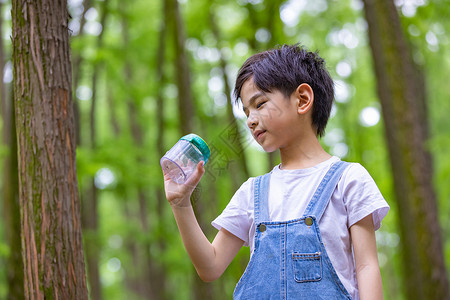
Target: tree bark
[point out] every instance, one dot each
(52, 248)
(401, 89)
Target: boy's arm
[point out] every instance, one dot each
(366, 259)
(209, 259)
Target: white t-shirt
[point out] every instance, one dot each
(290, 191)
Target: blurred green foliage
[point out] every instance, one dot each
(337, 29)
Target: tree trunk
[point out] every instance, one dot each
(160, 275)
(91, 238)
(11, 207)
(142, 281)
(10, 197)
(273, 22)
(256, 46)
(11, 217)
(89, 196)
(3, 98)
(52, 248)
(10, 188)
(401, 89)
(239, 173)
(186, 107)
(186, 111)
(11, 211)
(77, 61)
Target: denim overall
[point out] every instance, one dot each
(289, 259)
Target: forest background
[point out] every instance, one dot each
(147, 72)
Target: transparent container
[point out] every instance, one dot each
(181, 160)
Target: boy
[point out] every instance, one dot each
(311, 221)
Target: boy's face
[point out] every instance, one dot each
(273, 118)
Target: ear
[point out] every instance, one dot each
(305, 98)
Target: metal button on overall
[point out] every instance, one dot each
(262, 227)
(309, 221)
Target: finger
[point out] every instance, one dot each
(166, 176)
(197, 175)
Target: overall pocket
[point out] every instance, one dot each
(307, 266)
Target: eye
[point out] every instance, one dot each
(260, 104)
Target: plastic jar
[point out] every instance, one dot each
(181, 160)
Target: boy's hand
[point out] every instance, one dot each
(179, 195)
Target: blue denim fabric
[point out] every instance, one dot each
(289, 260)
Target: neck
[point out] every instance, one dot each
(305, 153)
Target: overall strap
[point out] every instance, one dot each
(261, 191)
(322, 196)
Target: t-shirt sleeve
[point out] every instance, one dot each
(362, 196)
(236, 218)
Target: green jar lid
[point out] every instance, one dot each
(200, 144)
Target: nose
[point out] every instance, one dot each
(252, 120)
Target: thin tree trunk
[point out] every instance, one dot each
(160, 275)
(273, 22)
(91, 239)
(252, 18)
(238, 171)
(186, 111)
(3, 99)
(186, 107)
(52, 248)
(134, 276)
(11, 215)
(401, 90)
(112, 114)
(10, 187)
(89, 197)
(233, 127)
(77, 62)
(255, 45)
(143, 282)
(11, 208)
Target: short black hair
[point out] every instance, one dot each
(284, 69)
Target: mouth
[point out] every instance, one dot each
(258, 134)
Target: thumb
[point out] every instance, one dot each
(194, 179)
